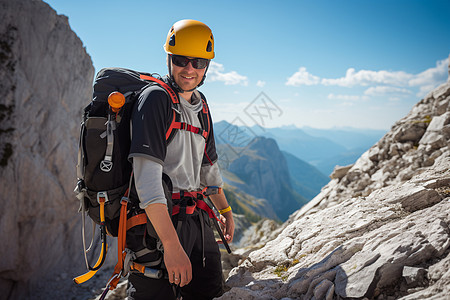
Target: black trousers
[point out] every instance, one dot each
(207, 281)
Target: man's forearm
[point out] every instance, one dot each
(177, 263)
(219, 200)
(160, 219)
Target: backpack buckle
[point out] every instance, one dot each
(124, 200)
(211, 190)
(106, 165)
(102, 195)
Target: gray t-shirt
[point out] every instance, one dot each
(189, 159)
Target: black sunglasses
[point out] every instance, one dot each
(182, 61)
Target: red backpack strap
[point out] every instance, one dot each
(173, 97)
(190, 128)
(169, 90)
(175, 124)
(206, 113)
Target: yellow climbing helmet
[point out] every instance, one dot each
(190, 38)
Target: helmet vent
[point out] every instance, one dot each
(172, 40)
(209, 47)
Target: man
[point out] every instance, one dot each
(191, 255)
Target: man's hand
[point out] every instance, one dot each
(178, 265)
(220, 201)
(228, 229)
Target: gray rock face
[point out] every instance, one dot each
(46, 77)
(265, 174)
(378, 230)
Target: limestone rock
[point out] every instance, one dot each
(340, 172)
(414, 276)
(379, 230)
(46, 79)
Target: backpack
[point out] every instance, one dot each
(104, 172)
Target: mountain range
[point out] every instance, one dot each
(322, 148)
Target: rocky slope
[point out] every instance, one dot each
(46, 77)
(379, 230)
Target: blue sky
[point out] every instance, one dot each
(322, 64)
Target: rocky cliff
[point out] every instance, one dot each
(46, 77)
(379, 230)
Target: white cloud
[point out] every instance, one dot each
(346, 97)
(383, 82)
(216, 73)
(384, 90)
(431, 75)
(302, 77)
(429, 79)
(367, 77)
(394, 99)
(261, 83)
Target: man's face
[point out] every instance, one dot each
(187, 77)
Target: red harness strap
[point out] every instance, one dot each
(202, 205)
(199, 203)
(178, 196)
(189, 209)
(190, 128)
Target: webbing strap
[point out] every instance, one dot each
(178, 196)
(202, 205)
(107, 164)
(190, 128)
(197, 204)
(121, 239)
(136, 220)
(189, 209)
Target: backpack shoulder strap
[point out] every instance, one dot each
(175, 101)
(164, 85)
(204, 118)
(175, 123)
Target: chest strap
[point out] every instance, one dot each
(190, 128)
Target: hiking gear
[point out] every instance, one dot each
(182, 61)
(105, 179)
(105, 140)
(189, 201)
(104, 172)
(190, 38)
(103, 163)
(227, 209)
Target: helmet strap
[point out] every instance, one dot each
(204, 76)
